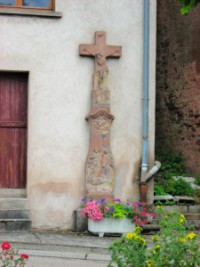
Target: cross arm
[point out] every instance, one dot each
(87, 50)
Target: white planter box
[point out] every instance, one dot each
(110, 225)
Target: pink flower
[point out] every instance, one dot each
(93, 211)
(144, 214)
(140, 222)
(5, 246)
(135, 204)
(152, 214)
(24, 256)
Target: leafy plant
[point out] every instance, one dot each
(98, 210)
(172, 165)
(129, 250)
(159, 190)
(197, 181)
(179, 188)
(188, 5)
(10, 258)
(174, 245)
(165, 203)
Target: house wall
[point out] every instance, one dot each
(60, 84)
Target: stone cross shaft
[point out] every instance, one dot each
(100, 170)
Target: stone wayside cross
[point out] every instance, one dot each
(100, 169)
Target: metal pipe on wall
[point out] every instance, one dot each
(146, 173)
(145, 145)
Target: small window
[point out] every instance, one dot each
(38, 4)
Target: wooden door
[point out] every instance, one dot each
(13, 129)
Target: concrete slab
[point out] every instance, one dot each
(52, 262)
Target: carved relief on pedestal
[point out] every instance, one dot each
(102, 124)
(101, 121)
(100, 171)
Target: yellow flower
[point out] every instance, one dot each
(157, 247)
(154, 251)
(140, 239)
(129, 235)
(182, 240)
(182, 218)
(149, 263)
(137, 229)
(155, 238)
(191, 236)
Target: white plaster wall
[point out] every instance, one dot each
(60, 84)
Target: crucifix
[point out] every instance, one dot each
(100, 169)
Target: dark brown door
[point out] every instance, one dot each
(13, 129)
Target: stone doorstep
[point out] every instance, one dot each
(13, 203)
(12, 193)
(14, 214)
(15, 225)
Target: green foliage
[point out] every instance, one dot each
(166, 203)
(172, 165)
(129, 250)
(179, 188)
(174, 245)
(188, 5)
(119, 210)
(159, 190)
(197, 181)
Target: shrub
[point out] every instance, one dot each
(10, 258)
(173, 246)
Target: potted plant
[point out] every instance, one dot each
(114, 217)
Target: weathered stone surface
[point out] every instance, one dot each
(14, 213)
(100, 169)
(184, 199)
(163, 198)
(178, 79)
(194, 209)
(15, 225)
(182, 209)
(80, 223)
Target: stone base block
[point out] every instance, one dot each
(80, 223)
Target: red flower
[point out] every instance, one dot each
(24, 256)
(5, 246)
